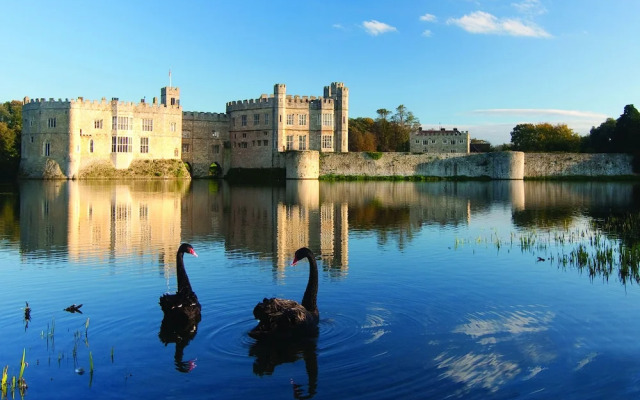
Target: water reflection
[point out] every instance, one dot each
(271, 353)
(90, 220)
(501, 334)
(180, 334)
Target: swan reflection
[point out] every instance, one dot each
(181, 335)
(271, 353)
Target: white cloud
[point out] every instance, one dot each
(485, 23)
(337, 26)
(428, 18)
(530, 7)
(426, 33)
(541, 112)
(376, 28)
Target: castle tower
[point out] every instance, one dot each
(340, 94)
(170, 96)
(280, 95)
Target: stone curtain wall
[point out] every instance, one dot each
(499, 165)
(539, 165)
(506, 165)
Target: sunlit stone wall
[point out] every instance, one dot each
(504, 165)
(574, 164)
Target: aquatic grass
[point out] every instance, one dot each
(5, 374)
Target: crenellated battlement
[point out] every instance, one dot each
(205, 116)
(81, 102)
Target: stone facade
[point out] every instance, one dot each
(439, 141)
(71, 135)
(205, 142)
(262, 128)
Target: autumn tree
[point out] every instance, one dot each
(361, 134)
(544, 137)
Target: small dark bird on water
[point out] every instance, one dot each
(283, 319)
(74, 308)
(182, 307)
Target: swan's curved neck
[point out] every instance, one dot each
(311, 292)
(183, 280)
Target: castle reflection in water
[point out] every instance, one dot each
(102, 220)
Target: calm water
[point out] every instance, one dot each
(427, 290)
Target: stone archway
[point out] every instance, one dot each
(215, 170)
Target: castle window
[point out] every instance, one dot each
(51, 122)
(147, 124)
(91, 146)
(302, 142)
(327, 119)
(185, 147)
(216, 149)
(175, 152)
(289, 119)
(144, 145)
(266, 118)
(265, 142)
(97, 124)
(259, 143)
(453, 141)
(425, 142)
(444, 141)
(121, 144)
(289, 142)
(327, 142)
(46, 149)
(244, 135)
(302, 119)
(256, 119)
(243, 120)
(172, 127)
(433, 141)
(122, 123)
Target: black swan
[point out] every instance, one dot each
(183, 307)
(282, 319)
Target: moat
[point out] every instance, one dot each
(472, 290)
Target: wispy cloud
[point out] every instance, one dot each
(485, 23)
(426, 33)
(337, 26)
(530, 7)
(376, 28)
(541, 112)
(428, 18)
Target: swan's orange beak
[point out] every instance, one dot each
(193, 252)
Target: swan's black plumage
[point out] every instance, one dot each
(181, 308)
(281, 318)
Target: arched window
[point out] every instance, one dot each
(91, 146)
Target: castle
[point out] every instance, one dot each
(439, 141)
(71, 135)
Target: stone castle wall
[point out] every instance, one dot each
(538, 165)
(504, 165)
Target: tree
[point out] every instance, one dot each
(10, 133)
(600, 139)
(361, 136)
(626, 136)
(544, 137)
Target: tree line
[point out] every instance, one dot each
(620, 135)
(388, 132)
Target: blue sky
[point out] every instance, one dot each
(481, 65)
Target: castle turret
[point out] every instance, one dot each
(340, 94)
(170, 96)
